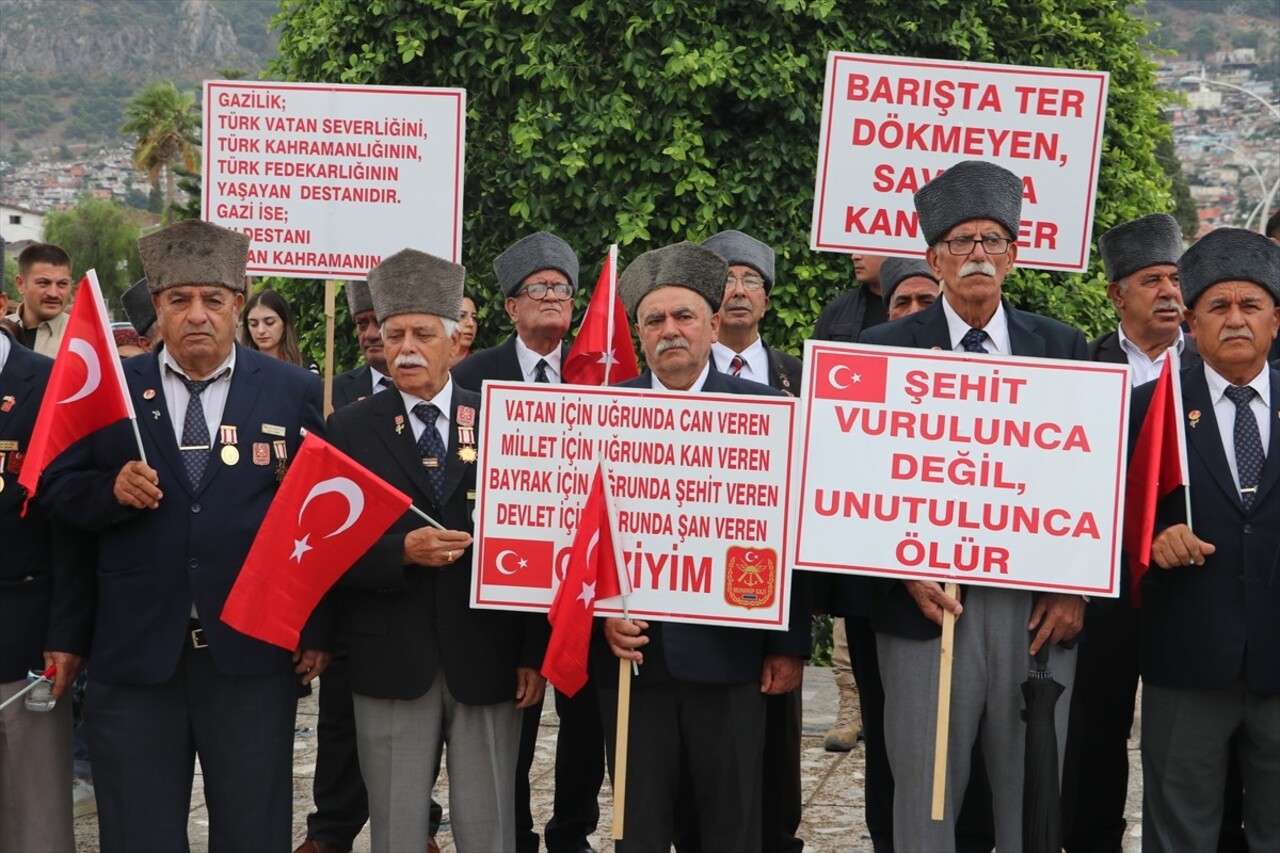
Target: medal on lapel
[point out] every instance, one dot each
(14, 465)
(1193, 417)
(281, 449)
(149, 394)
(7, 403)
(466, 420)
(399, 424)
(261, 453)
(229, 439)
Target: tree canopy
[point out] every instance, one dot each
(99, 234)
(164, 121)
(644, 123)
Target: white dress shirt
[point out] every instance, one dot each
(756, 361)
(213, 399)
(697, 385)
(442, 401)
(1143, 368)
(529, 363)
(1225, 412)
(997, 329)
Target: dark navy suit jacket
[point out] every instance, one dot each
(1206, 626)
(498, 363)
(893, 609)
(46, 592)
(408, 624)
(701, 653)
(152, 564)
(352, 386)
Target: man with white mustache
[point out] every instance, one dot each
(969, 216)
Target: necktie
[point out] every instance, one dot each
(431, 449)
(1248, 443)
(383, 384)
(540, 371)
(195, 432)
(736, 365)
(972, 341)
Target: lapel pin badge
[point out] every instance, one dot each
(149, 394)
(155, 413)
(399, 424)
(1194, 417)
(7, 403)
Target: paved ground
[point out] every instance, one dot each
(833, 815)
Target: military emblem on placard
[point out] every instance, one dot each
(750, 576)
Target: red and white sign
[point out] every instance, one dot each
(327, 180)
(700, 482)
(890, 124)
(934, 465)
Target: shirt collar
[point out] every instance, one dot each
(1179, 344)
(697, 384)
(997, 327)
(1218, 385)
(752, 355)
(4, 350)
(222, 371)
(529, 359)
(442, 400)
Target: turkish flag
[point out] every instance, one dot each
(592, 575)
(1157, 466)
(518, 562)
(86, 390)
(328, 512)
(602, 352)
(850, 376)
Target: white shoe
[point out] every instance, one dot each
(83, 798)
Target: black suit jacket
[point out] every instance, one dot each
(893, 610)
(352, 386)
(46, 593)
(843, 318)
(153, 563)
(1203, 627)
(407, 624)
(500, 363)
(1106, 348)
(701, 653)
(785, 370)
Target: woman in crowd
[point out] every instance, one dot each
(267, 326)
(466, 330)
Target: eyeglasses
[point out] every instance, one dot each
(539, 289)
(749, 282)
(991, 244)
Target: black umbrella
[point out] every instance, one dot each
(1041, 802)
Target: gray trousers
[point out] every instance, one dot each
(989, 665)
(1186, 737)
(35, 776)
(399, 745)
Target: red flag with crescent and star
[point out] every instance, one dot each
(86, 390)
(328, 512)
(592, 574)
(602, 352)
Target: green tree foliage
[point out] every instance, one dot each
(643, 123)
(164, 122)
(99, 234)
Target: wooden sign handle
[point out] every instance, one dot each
(620, 751)
(944, 710)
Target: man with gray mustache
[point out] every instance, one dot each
(969, 216)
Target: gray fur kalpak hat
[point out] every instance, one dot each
(358, 298)
(540, 251)
(739, 248)
(894, 271)
(1139, 243)
(194, 252)
(138, 307)
(679, 265)
(1229, 254)
(413, 282)
(970, 189)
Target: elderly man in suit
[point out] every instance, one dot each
(539, 275)
(170, 681)
(1210, 602)
(698, 706)
(46, 607)
(1140, 259)
(426, 668)
(969, 216)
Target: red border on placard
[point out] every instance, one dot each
(1054, 365)
(1098, 78)
(210, 86)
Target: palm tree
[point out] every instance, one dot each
(165, 122)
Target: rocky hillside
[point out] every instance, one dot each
(68, 66)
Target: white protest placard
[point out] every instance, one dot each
(936, 465)
(700, 483)
(328, 179)
(890, 124)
